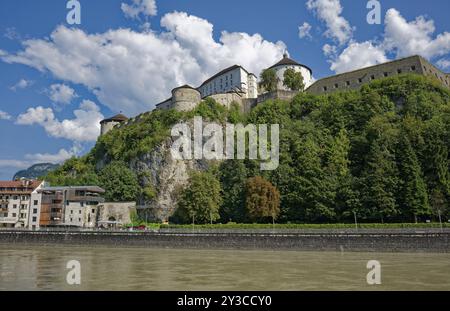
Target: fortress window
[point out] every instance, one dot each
(336, 86)
(360, 80)
(372, 77)
(399, 71)
(348, 83)
(413, 68)
(386, 74)
(325, 88)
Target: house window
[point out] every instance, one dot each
(34, 210)
(79, 219)
(71, 211)
(35, 202)
(34, 219)
(14, 215)
(93, 211)
(79, 212)
(15, 197)
(14, 205)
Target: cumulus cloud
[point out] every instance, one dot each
(22, 84)
(4, 115)
(61, 94)
(401, 39)
(84, 127)
(358, 55)
(329, 11)
(132, 71)
(137, 7)
(61, 156)
(304, 31)
(415, 37)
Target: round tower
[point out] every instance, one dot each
(108, 124)
(185, 98)
(286, 63)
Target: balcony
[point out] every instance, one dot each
(8, 220)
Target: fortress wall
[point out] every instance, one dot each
(355, 79)
(279, 94)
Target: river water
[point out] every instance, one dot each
(35, 267)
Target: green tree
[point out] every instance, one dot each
(413, 191)
(201, 200)
(293, 80)
(262, 199)
(269, 80)
(233, 175)
(380, 183)
(119, 182)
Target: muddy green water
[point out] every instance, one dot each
(35, 267)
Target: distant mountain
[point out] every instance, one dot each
(36, 171)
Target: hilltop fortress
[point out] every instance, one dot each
(236, 85)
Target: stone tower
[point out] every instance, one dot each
(108, 124)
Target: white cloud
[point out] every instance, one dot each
(84, 127)
(401, 38)
(358, 55)
(4, 115)
(443, 63)
(61, 156)
(22, 84)
(304, 31)
(415, 37)
(19, 164)
(329, 50)
(137, 7)
(61, 94)
(131, 71)
(329, 11)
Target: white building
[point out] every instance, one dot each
(286, 63)
(18, 205)
(234, 79)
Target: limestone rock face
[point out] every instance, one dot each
(166, 176)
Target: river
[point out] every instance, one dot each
(32, 267)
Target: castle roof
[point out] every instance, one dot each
(286, 61)
(186, 86)
(224, 72)
(117, 118)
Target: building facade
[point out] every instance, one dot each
(235, 79)
(356, 79)
(18, 205)
(69, 206)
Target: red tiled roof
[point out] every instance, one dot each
(33, 184)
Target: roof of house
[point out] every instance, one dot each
(81, 188)
(33, 184)
(286, 61)
(118, 118)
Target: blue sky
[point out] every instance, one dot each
(58, 80)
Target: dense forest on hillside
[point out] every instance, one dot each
(381, 153)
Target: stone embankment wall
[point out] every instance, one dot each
(361, 241)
